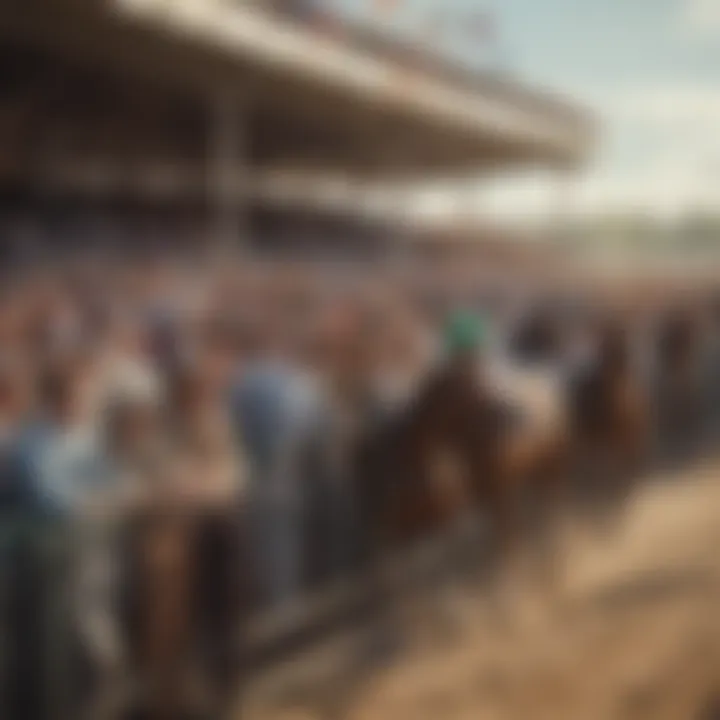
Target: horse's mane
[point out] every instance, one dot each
(675, 337)
(536, 339)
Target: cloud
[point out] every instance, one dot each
(701, 17)
(675, 104)
(659, 103)
(660, 154)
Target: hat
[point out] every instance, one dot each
(465, 331)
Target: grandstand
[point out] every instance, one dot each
(172, 113)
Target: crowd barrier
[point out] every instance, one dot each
(42, 673)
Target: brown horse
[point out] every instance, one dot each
(538, 337)
(610, 414)
(679, 381)
(456, 413)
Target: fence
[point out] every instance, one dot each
(41, 668)
(37, 655)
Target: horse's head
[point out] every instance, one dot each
(678, 339)
(614, 350)
(539, 337)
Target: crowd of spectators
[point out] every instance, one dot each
(223, 394)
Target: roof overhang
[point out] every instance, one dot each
(340, 108)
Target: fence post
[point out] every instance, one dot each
(37, 662)
(54, 551)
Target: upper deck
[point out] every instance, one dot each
(314, 97)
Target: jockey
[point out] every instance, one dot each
(466, 368)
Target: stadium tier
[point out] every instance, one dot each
(308, 95)
(196, 100)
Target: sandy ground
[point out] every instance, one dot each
(633, 631)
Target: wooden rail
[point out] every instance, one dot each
(308, 618)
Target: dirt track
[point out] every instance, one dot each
(634, 633)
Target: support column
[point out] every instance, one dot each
(562, 203)
(386, 175)
(228, 175)
(559, 227)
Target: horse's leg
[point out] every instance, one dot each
(632, 450)
(503, 503)
(373, 472)
(623, 455)
(552, 493)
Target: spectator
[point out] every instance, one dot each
(273, 404)
(131, 462)
(58, 456)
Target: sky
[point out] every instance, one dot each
(649, 69)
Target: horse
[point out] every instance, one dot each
(537, 338)
(611, 418)
(679, 381)
(456, 411)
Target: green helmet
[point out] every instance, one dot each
(465, 332)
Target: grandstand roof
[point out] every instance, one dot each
(315, 98)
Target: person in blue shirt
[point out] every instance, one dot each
(58, 455)
(13, 400)
(274, 406)
(54, 463)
